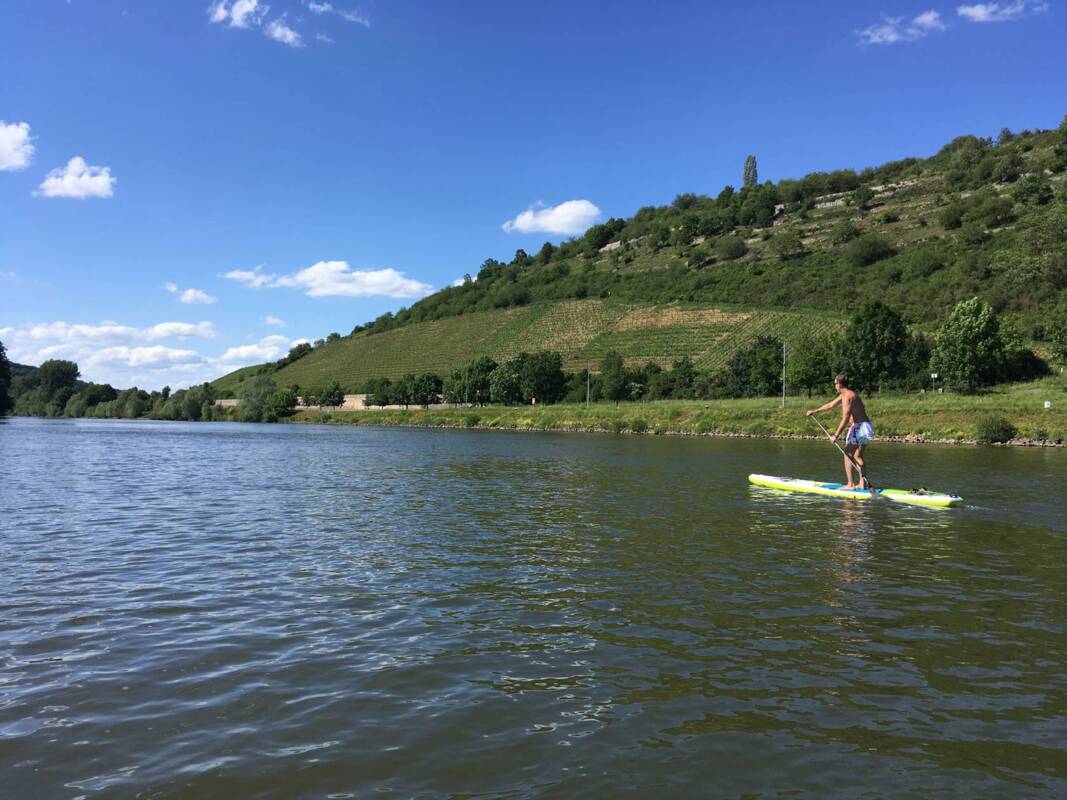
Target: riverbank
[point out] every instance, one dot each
(910, 418)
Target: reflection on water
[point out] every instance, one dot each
(294, 611)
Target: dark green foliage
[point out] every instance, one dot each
(873, 346)
(331, 395)
(379, 392)
(1033, 190)
(750, 176)
(295, 353)
(544, 255)
(6, 403)
(757, 205)
(867, 250)
(787, 244)
(921, 263)
(541, 377)
(282, 403)
(757, 370)
(470, 383)
(257, 400)
(951, 216)
(844, 232)
(1057, 332)
(1009, 168)
(862, 197)
(811, 363)
(730, 248)
(613, 377)
(914, 364)
(46, 391)
(426, 389)
(994, 429)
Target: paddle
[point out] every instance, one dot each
(863, 474)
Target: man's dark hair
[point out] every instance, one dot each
(842, 378)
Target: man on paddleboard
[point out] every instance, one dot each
(860, 430)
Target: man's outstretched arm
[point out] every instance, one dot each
(824, 407)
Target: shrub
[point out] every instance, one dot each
(639, 425)
(471, 420)
(993, 428)
(844, 232)
(952, 217)
(1033, 190)
(867, 250)
(730, 248)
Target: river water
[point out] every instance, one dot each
(219, 610)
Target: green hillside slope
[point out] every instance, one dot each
(977, 218)
(581, 330)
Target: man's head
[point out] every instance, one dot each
(841, 381)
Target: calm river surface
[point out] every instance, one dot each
(228, 611)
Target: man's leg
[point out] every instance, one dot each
(848, 468)
(858, 457)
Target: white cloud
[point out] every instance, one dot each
(995, 12)
(181, 330)
(78, 180)
(891, 30)
(928, 21)
(122, 355)
(241, 14)
(280, 32)
(16, 146)
(10, 275)
(189, 296)
(252, 278)
(274, 321)
(155, 356)
(269, 348)
(335, 279)
(566, 219)
(349, 16)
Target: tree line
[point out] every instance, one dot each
(971, 350)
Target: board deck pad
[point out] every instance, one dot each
(915, 497)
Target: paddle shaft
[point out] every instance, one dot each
(863, 474)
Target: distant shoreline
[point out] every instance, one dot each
(1021, 442)
(947, 420)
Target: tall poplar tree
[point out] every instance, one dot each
(751, 177)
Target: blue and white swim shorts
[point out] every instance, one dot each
(859, 434)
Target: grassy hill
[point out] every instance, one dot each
(703, 275)
(581, 330)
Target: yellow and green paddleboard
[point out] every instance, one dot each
(917, 497)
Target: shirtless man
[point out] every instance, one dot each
(860, 431)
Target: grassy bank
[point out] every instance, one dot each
(936, 417)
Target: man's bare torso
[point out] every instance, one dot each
(852, 407)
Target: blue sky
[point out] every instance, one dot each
(339, 159)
